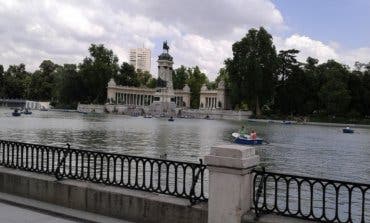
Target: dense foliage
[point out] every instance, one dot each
(274, 83)
(69, 84)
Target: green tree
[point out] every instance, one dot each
(42, 82)
(195, 82)
(127, 76)
(223, 76)
(335, 97)
(179, 77)
(291, 90)
(334, 94)
(144, 78)
(152, 83)
(97, 70)
(252, 70)
(16, 80)
(70, 88)
(366, 91)
(2, 82)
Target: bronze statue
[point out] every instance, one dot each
(165, 45)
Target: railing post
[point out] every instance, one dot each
(57, 173)
(230, 182)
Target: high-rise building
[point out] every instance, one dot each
(140, 58)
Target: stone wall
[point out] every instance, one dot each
(91, 108)
(132, 205)
(141, 110)
(216, 114)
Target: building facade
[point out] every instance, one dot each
(140, 58)
(163, 98)
(213, 99)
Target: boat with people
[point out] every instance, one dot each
(16, 112)
(148, 116)
(171, 119)
(246, 139)
(27, 111)
(348, 130)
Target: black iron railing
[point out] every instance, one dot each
(180, 179)
(310, 198)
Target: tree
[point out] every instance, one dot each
(2, 82)
(291, 90)
(16, 81)
(97, 70)
(366, 91)
(252, 70)
(127, 76)
(334, 94)
(42, 82)
(152, 83)
(70, 88)
(335, 97)
(179, 77)
(222, 76)
(195, 82)
(144, 78)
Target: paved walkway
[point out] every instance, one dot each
(15, 209)
(10, 214)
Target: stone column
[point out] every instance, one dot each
(230, 182)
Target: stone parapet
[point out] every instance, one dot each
(132, 205)
(230, 182)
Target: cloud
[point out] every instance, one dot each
(309, 47)
(200, 32)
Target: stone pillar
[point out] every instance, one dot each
(230, 182)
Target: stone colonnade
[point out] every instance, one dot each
(134, 99)
(211, 102)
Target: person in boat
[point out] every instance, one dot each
(242, 131)
(253, 135)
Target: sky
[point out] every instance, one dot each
(198, 32)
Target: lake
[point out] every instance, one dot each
(318, 151)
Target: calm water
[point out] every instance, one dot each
(297, 149)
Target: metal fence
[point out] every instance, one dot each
(310, 198)
(180, 179)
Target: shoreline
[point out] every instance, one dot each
(330, 124)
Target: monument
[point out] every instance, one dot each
(164, 97)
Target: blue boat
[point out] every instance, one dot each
(348, 130)
(244, 140)
(27, 112)
(171, 119)
(16, 112)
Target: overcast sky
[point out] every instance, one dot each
(199, 32)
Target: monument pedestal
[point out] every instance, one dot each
(159, 108)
